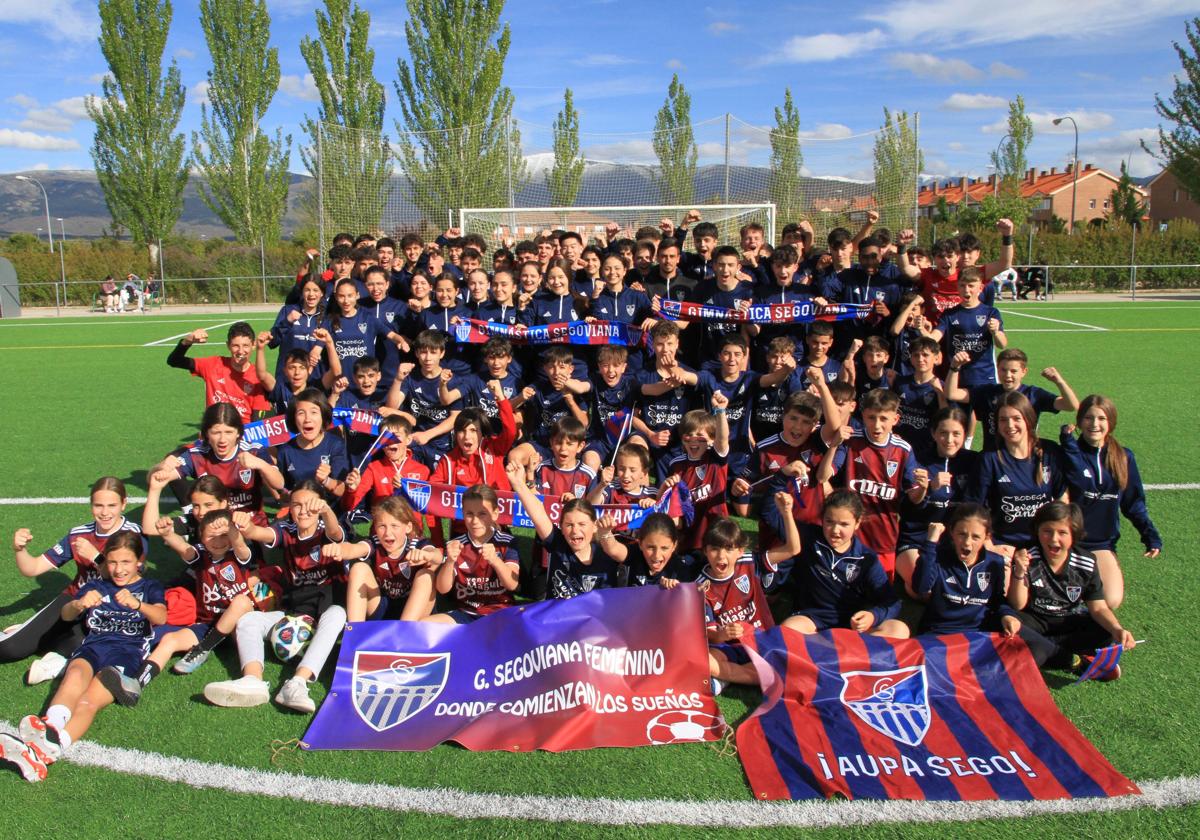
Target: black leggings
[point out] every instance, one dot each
(1052, 643)
(44, 632)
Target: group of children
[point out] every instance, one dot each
(849, 442)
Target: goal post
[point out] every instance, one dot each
(496, 223)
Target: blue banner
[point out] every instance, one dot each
(613, 668)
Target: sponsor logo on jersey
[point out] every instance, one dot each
(391, 687)
(894, 703)
(1003, 480)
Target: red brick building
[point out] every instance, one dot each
(1170, 200)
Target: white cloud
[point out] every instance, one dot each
(1000, 70)
(14, 139)
(720, 27)
(973, 102)
(675, 64)
(39, 167)
(1043, 122)
(931, 67)
(298, 88)
(828, 46)
(184, 53)
(60, 116)
(63, 19)
(827, 131)
(198, 93)
(1110, 152)
(603, 60)
(955, 146)
(966, 23)
(21, 100)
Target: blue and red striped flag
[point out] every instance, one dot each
(958, 717)
(357, 420)
(386, 437)
(1107, 661)
(618, 425)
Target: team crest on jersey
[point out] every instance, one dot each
(391, 316)
(1073, 592)
(851, 571)
(228, 573)
(892, 466)
(630, 309)
(418, 493)
(245, 475)
(984, 579)
(390, 688)
(325, 460)
(980, 320)
(700, 471)
(895, 703)
(315, 555)
(743, 584)
(362, 328)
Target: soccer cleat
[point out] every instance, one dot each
(22, 758)
(191, 660)
(125, 689)
(240, 693)
(294, 695)
(717, 685)
(42, 738)
(47, 668)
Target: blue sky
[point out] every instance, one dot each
(956, 63)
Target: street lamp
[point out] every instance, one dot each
(1075, 182)
(62, 254)
(46, 199)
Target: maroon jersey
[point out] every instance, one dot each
(303, 564)
(615, 495)
(218, 581)
(774, 453)
(394, 574)
(879, 474)
(742, 596)
(706, 478)
(86, 570)
(477, 588)
(553, 483)
(244, 485)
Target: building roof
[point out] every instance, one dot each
(973, 191)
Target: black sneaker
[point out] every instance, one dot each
(125, 690)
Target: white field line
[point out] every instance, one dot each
(171, 338)
(1105, 307)
(1048, 330)
(115, 322)
(1092, 327)
(137, 500)
(599, 811)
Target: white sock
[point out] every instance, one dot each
(57, 716)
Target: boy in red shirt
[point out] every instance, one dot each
(229, 379)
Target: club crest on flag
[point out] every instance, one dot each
(743, 584)
(418, 493)
(391, 687)
(892, 466)
(245, 475)
(1073, 592)
(894, 703)
(228, 573)
(462, 332)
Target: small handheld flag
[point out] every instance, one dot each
(617, 427)
(1105, 663)
(385, 438)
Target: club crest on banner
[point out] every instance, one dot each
(894, 703)
(462, 332)
(418, 493)
(391, 687)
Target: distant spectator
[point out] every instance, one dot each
(132, 291)
(109, 289)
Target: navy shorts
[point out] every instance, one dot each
(822, 620)
(199, 630)
(463, 617)
(388, 609)
(736, 654)
(126, 658)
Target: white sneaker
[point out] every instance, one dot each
(239, 693)
(47, 668)
(294, 695)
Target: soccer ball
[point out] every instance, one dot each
(679, 725)
(290, 636)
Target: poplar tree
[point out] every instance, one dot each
(1010, 160)
(457, 143)
(786, 160)
(139, 158)
(1179, 148)
(898, 161)
(567, 175)
(675, 146)
(355, 169)
(245, 172)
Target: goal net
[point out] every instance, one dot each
(498, 224)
